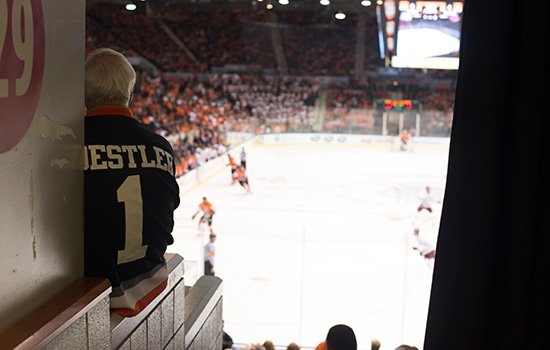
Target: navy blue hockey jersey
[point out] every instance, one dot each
(130, 197)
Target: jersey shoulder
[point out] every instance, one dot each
(118, 129)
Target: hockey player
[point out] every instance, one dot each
(243, 158)
(426, 201)
(209, 255)
(240, 175)
(234, 167)
(425, 247)
(404, 139)
(425, 235)
(207, 213)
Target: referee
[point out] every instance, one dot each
(209, 255)
(243, 158)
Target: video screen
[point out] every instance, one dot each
(428, 29)
(381, 39)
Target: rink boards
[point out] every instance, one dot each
(250, 141)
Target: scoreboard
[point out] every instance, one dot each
(420, 34)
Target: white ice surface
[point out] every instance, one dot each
(324, 238)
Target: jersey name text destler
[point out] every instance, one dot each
(102, 157)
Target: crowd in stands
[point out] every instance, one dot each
(313, 43)
(219, 37)
(350, 105)
(134, 32)
(273, 102)
(194, 114)
(339, 337)
(97, 37)
(363, 92)
(317, 45)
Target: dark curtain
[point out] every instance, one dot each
(492, 265)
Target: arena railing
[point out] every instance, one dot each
(72, 306)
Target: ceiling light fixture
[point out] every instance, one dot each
(340, 15)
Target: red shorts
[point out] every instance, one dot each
(423, 207)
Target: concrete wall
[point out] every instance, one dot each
(89, 332)
(179, 318)
(203, 315)
(41, 180)
(209, 336)
(163, 328)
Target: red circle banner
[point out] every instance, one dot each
(22, 56)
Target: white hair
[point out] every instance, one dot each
(109, 79)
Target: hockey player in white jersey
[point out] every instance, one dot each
(426, 200)
(425, 234)
(425, 247)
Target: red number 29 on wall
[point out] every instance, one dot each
(22, 54)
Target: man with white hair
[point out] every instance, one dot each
(130, 190)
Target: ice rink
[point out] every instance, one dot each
(324, 238)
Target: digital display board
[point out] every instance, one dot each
(428, 34)
(381, 38)
(386, 17)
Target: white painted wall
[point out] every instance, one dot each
(41, 179)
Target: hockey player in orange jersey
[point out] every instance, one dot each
(207, 213)
(405, 135)
(234, 167)
(240, 175)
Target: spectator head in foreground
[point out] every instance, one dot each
(406, 347)
(292, 346)
(109, 79)
(268, 345)
(341, 337)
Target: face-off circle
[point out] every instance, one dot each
(22, 56)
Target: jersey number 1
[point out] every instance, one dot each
(129, 193)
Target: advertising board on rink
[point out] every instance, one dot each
(375, 141)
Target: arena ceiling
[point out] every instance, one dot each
(293, 5)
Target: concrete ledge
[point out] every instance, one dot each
(40, 327)
(122, 328)
(200, 301)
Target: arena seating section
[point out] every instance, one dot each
(194, 108)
